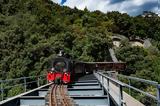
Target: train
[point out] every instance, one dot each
(61, 70)
(65, 70)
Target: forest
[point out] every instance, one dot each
(33, 31)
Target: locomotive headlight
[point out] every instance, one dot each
(52, 69)
(66, 74)
(64, 70)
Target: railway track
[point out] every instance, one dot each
(58, 97)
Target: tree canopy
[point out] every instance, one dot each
(33, 31)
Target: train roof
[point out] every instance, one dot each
(61, 59)
(104, 62)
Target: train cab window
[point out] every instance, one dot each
(60, 66)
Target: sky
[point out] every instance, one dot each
(132, 7)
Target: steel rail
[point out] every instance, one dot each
(64, 95)
(50, 96)
(52, 101)
(54, 96)
(57, 96)
(65, 98)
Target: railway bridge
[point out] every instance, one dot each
(100, 88)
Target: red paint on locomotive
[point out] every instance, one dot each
(50, 76)
(64, 77)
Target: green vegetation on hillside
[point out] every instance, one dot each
(143, 63)
(33, 31)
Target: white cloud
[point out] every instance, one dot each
(155, 9)
(127, 6)
(57, 1)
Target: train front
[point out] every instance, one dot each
(60, 71)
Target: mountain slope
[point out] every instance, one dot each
(33, 31)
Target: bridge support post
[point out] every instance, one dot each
(107, 84)
(38, 83)
(129, 82)
(103, 84)
(25, 85)
(158, 95)
(102, 81)
(2, 93)
(120, 96)
(108, 92)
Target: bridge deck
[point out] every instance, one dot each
(86, 91)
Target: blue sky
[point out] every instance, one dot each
(63, 1)
(132, 7)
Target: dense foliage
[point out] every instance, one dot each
(147, 26)
(141, 62)
(33, 31)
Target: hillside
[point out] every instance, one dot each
(33, 31)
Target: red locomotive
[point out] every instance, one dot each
(61, 70)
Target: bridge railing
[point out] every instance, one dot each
(12, 87)
(113, 87)
(155, 97)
